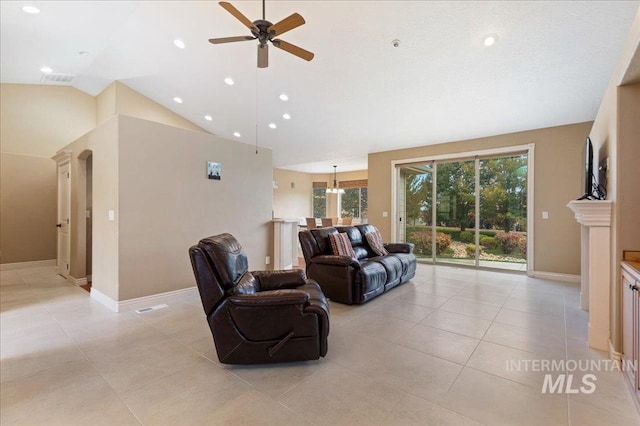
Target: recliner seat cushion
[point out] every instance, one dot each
(393, 268)
(372, 277)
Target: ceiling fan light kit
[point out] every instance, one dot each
(264, 31)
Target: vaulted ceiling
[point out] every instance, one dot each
(360, 94)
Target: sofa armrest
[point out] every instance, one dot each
(399, 247)
(275, 280)
(271, 298)
(331, 259)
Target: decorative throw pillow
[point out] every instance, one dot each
(375, 242)
(341, 245)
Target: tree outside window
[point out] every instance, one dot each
(319, 202)
(353, 203)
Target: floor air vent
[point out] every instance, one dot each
(151, 308)
(57, 78)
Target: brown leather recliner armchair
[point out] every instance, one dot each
(262, 316)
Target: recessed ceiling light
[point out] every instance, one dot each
(286, 116)
(229, 81)
(489, 39)
(31, 9)
(208, 117)
(179, 43)
(272, 125)
(178, 99)
(46, 70)
(237, 134)
(284, 97)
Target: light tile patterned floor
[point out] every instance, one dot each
(433, 351)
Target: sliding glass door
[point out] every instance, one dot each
(469, 211)
(503, 212)
(455, 218)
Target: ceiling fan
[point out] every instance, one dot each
(264, 31)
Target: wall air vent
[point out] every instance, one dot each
(57, 78)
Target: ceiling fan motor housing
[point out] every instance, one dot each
(262, 35)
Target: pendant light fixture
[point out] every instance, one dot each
(335, 189)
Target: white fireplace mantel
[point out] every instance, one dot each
(595, 281)
(592, 212)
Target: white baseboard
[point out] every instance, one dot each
(77, 281)
(102, 298)
(555, 276)
(138, 302)
(25, 265)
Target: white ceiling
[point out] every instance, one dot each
(550, 66)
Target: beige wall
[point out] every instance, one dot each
(629, 167)
(558, 175)
(118, 98)
(27, 208)
(291, 202)
(166, 203)
(35, 122)
(106, 103)
(39, 120)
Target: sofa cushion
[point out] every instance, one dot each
(408, 263)
(341, 246)
(393, 267)
(375, 242)
(371, 278)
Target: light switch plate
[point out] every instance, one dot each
(385, 214)
(112, 215)
(545, 215)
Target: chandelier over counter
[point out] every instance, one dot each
(335, 189)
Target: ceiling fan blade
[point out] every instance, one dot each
(238, 15)
(230, 39)
(287, 24)
(263, 55)
(293, 49)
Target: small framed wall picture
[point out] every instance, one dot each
(214, 170)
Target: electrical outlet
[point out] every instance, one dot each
(545, 215)
(267, 260)
(385, 214)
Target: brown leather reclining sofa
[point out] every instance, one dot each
(347, 280)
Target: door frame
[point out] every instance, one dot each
(529, 148)
(63, 158)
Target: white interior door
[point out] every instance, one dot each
(64, 210)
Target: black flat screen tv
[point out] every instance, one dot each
(588, 171)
